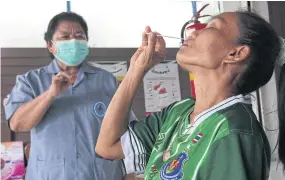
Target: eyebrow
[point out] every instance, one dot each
(219, 18)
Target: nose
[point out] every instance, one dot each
(191, 34)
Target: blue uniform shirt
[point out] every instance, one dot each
(63, 143)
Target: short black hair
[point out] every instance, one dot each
(264, 44)
(64, 16)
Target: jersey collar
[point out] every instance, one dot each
(218, 107)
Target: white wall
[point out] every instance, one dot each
(23, 23)
(112, 23)
(233, 5)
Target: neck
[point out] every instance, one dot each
(210, 89)
(72, 70)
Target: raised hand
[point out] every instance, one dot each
(151, 52)
(60, 83)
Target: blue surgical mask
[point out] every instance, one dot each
(71, 52)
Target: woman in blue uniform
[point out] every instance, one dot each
(62, 105)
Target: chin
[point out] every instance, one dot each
(185, 67)
(179, 57)
(183, 62)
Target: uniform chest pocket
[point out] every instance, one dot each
(109, 169)
(51, 170)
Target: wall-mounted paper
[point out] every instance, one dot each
(117, 68)
(161, 86)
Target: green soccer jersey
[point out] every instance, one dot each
(225, 142)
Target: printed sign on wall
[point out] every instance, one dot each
(117, 68)
(161, 86)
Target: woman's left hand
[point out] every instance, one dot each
(151, 52)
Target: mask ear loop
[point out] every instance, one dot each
(281, 59)
(53, 42)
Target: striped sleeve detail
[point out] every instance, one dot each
(134, 151)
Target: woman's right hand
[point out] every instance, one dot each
(60, 83)
(151, 52)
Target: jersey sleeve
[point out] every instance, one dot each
(139, 139)
(20, 94)
(236, 157)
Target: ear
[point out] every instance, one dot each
(238, 54)
(49, 46)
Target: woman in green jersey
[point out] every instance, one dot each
(215, 136)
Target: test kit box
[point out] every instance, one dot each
(12, 161)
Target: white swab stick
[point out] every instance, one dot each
(169, 36)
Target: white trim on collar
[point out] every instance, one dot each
(220, 106)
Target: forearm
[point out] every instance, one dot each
(116, 118)
(30, 114)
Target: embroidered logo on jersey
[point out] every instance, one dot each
(174, 170)
(160, 137)
(197, 138)
(153, 172)
(99, 109)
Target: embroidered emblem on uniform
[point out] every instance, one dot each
(174, 170)
(197, 138)
(153, 171)
(161, 136)
(99, 109)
